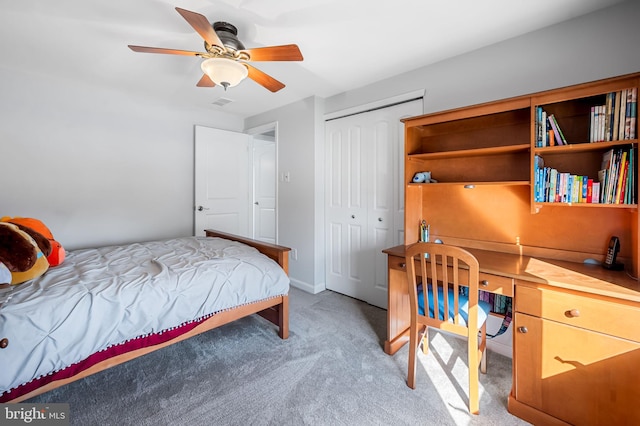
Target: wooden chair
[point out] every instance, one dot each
(457, 313)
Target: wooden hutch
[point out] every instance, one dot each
(576, 348)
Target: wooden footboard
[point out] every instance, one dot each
(275, 309)
(278, 253)
(277, 314)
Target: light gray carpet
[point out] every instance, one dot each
(331, 371)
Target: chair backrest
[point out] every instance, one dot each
(435, 274)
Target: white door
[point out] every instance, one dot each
(222, 195)
(364, 199)
(264, 190)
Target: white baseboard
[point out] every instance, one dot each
(309, 288)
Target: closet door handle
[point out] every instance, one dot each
(523, 329)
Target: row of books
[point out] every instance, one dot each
(548, 132)
(552, 186)
(617, 177)
(615, 183)
(615, 120)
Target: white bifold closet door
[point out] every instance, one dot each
(364, 199)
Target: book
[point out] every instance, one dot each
(539, 127)
(592, 121)
(631, 116)
(608, 115)
(616, 117)
(623, 113)
(559, 137)
(595, 193)
(622, 165)
(632, 178)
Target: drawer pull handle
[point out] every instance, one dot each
(523, 329)
(573, 313)
(484, 283)
(402, 265)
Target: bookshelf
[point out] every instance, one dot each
(567, 312)
(596, 119)
(484, 159)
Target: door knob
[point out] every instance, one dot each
(353, 216)
(200, 208)
(522, 329)
(379, 219)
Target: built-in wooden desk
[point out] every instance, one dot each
(576, 340)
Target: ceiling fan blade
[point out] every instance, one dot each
(264, 79)
(145, 49)
(202, 26)
(287, 52)
(205, 81)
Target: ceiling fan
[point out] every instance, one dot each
(226, 58)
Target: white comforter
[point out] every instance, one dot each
(101, 297)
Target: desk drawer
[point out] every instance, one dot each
(496, 284)
(396, 262)
(590, 312)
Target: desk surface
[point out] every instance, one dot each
(569, 275)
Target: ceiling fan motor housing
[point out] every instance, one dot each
(228, 35)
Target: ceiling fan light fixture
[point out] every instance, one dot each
(224, 72)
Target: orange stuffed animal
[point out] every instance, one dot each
(56, 255)
(21, 254)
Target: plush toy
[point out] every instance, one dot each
(423, 177)
(55, 254)
(20, 253)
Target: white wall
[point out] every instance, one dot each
(598, 45)
(97, 166)
(297, 219)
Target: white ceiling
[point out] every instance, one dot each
(346, 43)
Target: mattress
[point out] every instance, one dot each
(106, 296)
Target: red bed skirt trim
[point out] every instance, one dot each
(91, 360)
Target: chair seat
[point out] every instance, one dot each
(483, 311)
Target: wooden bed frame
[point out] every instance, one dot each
(275, 309)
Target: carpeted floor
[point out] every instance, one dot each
(331, 371)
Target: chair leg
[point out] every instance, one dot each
(474, 404)
(483, 345)
(413, 348)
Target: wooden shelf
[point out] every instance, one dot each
(538, 205)
(582, 147)
(472, 184)
(465, 153)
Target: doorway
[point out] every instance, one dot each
(236, 181)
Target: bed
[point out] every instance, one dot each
(105, 306)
